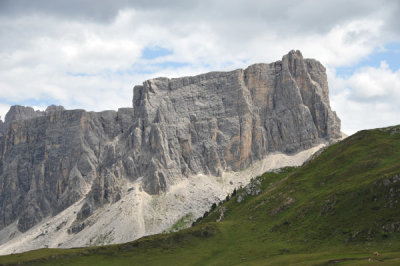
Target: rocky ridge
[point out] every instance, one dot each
(206, 124)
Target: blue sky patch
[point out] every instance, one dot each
(390, 54)
(150, 53)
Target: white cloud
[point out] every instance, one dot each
(376, 84)
(368, 99)
(92, 60)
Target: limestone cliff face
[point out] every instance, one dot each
(227, 120)
(53, 160)
(208, 123)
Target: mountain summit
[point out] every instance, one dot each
(76, 168)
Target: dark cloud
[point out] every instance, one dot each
(70, 9)
(101, 11)
(393, 19)
(290, 16)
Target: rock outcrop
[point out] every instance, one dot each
(210, 123)
(2, 127)
(18, 112)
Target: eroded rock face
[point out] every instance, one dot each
(209, 123)
(227, 120)
(53, 160)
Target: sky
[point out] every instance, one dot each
(89, 54)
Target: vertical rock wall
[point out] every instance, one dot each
(210, 123)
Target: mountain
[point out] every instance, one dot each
(73, 178)
(340, 207)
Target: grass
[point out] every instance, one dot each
(182, 223)
(339, 208)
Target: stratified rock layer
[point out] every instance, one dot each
(210, 123)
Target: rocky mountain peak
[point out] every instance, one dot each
(54, 108)
(178, 128)
(18, 112)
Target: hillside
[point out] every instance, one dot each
(340, 207)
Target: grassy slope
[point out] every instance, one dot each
(343, 204)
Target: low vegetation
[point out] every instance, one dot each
(182, 223)
(341, 207)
